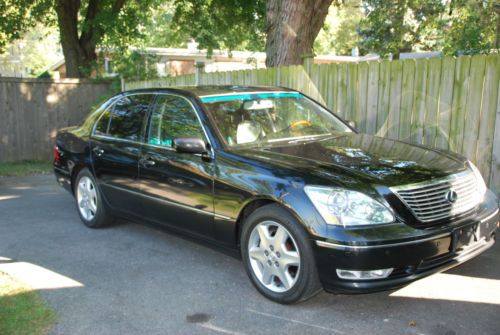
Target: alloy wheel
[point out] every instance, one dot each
(274, 256)
(86, 196)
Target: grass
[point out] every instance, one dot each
(22, 311)
(25, 168)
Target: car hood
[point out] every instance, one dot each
(362, 157)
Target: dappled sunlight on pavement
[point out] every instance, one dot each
(445, 286)
(35, 276)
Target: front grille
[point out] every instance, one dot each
(429, 202)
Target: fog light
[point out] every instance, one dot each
(367, 274)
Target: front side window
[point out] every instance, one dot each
(269, 117)
(128, 117)
(173, 117)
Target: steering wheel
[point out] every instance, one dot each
(303, 123)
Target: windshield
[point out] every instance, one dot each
(264, 118)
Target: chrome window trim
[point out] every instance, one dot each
(107, 137)
(364, 247)
(117, 139)
(159, 146)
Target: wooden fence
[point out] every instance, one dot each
(449, 103)
(31, 111)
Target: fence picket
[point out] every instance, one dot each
(372, 99)
(407, 91)
(432, 101)
(460, 87)
(362, 89)
(395, 99)
(383, 98)
(487, 119)
(418, 106)
(31, 111)
(473, 108)
(445, 102)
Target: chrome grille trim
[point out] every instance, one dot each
(427, 200)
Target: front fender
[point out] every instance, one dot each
(235, 189)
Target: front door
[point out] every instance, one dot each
(115, 150)
(177, 187)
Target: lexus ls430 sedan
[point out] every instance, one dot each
(304, 199)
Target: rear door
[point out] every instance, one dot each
(178, 187)
(115, 149)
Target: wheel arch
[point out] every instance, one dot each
(254, 204)
(75, 170)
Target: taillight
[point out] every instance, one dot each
(57, 156)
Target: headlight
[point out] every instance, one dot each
(347, 208)
(481, 186)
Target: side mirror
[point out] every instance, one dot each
(191, 145)
(352, 124)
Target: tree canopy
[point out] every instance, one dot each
(286, 29)
(454, 27)
(339, 33)
(392, 27)
(474, 27)
(83, 25)
(222, 24)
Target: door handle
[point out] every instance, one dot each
(147, 162)
(98, 151)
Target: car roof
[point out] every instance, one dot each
(210, 90)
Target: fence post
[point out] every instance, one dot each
(494, 182)
(308, 60)
(199, 66)
(122, 83)
(305, 84)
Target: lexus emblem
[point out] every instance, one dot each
(451, 196)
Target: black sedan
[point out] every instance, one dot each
(273, 176)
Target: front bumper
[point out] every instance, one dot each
(410, 260)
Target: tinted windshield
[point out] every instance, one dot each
(264, 118)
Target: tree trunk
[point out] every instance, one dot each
(292, 27)
(67, 17)
(80, 52)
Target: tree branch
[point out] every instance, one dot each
(118, 5)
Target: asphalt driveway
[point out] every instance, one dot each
(131, 279)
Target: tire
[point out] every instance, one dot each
(278, 255)
(89, 203)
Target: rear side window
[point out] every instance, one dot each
(128, 117)
(173, 117)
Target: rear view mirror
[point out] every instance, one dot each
(257, 104)
(192, 145)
